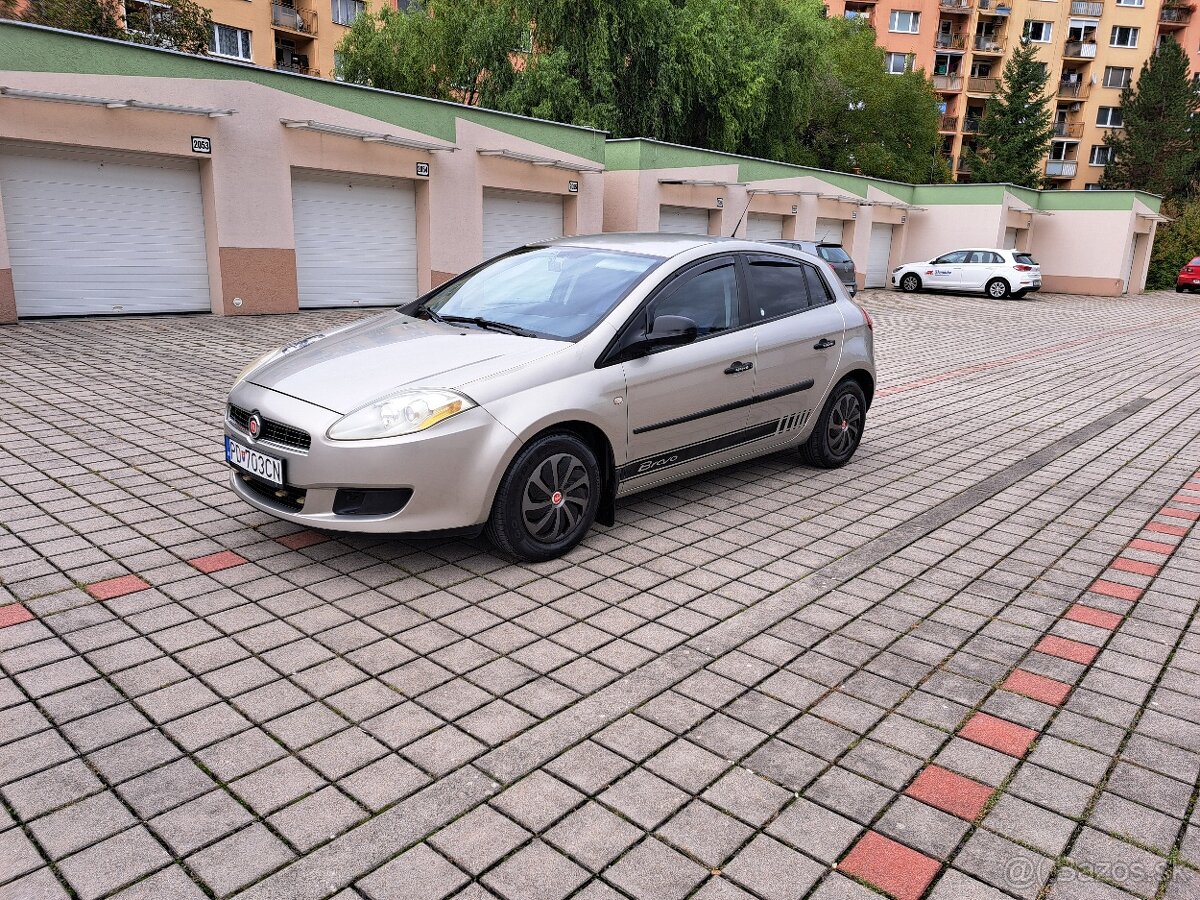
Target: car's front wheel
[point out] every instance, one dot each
(997, 289)
(839, 428)
(910, 283)
(547, 499)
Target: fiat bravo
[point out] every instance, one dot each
(526, 396)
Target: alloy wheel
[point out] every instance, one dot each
(845, 425)
(555, 498)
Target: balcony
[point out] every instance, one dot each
(948, 123)
(1079, 50)
(1061, 168)
(291, 18)
(1174, 16)
(982, 85)
(963, 167)
(992, 8)
(1073, 90)
(297, 69)
(1091, 8)
(947, 84)
(1068, 131)
(971, 125)
(988, 44)
(950, 42)
(956, 6)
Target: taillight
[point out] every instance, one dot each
(866, 315)
(1188, 269)
(1021, 268)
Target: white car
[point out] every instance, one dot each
(997, 273)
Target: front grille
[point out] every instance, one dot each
(289, 498)
(272, 432)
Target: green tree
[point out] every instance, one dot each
(1156, 149)
(1015, 131)
(447, 49)
(99, 17)
(183, 25)
(1175, 244)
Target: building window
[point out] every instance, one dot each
(1100, 155)
(346, 11)
(1117, 76)
(1124, 36)
(1131, 2)
(337, 66)
(898, 63)
(140, 15)
(1093, 186)
(1038, 32)
(904, 21)
(1109, 117)
(225, 40)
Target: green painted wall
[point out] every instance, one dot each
(25, 48)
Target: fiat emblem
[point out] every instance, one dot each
(254, 425)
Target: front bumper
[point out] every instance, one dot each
(451, 470)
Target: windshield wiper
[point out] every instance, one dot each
(433, 317)
(489, 323)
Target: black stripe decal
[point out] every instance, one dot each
(678, 457)
(729, 407)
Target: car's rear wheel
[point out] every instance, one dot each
(547, 499)
(910, 283)
(997, 289)
(839, 428)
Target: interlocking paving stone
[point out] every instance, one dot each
(898, 870)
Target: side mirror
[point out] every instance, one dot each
(671, 331)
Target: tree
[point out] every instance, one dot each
(1156, 150)
(182, 25)
(1015, 131)
(99, 17)
(447, 49)
(1176, 243)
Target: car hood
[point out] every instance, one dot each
(353, 366)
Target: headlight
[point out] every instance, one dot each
(405, 412)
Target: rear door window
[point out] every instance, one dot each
(833, 254)
(781, 287)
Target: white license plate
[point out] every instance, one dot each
(268, 468)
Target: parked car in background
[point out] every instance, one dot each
(525, 396)
(995, 272)
(1189, 277)
(834, 254)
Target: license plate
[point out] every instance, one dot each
(268, 468)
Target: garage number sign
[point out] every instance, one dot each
(423, 170)
(573, 187)
(202, 145)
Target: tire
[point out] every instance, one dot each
(910, 282)
(527, 524)
(1178, 289)
(997, 289)
(839, 428)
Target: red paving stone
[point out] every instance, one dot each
(900, 871)
(1036, 687)
(1186, 514)
(216, 562)
(14, 614)
(950, 792)
(998, 734)
(1113, 589)
(1075, 651)
(117, 587)
(1167, 528)
(1088, 616)
(1186, 500)
(1121, 564)
(1152, 546)
(302, 539)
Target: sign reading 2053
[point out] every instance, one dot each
(202, 145)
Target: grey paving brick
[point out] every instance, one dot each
(817, 831)
(200, 821)
(853, 795)
(538, 800)
(18, 856)
(1004, 865)
(652, 870)
(747, 796)
(1028, 824)
(239, 859)
(317, 818)
(417, 874)
(535, 872)
(929, 830)
(772, 870)
(113, 863)
(170, 883)
(593, 836)
(479, 839)
(644, 798)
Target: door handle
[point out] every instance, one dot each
(823, 344)
(738, 367)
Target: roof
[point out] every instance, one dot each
(649, 243)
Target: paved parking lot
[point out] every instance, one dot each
(967, 666)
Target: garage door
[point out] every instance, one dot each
(516, 218)
(1010, 238)
(104, 234)
(829, 230)
(356, 240)
(878, 256)
(682, 220)
(764, 227)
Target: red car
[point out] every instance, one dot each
(1189, 277)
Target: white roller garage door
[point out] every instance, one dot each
(91, 234)
(764, 227)
(878, 255)
(356, 240)
(829, 230)
(682, 220)
(516, 218)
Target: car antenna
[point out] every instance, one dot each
(745, 209)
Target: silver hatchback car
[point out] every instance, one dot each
(527, 395)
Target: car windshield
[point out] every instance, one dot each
(833, 253)
(1025, 259)
(555, 292)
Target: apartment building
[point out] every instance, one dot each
(299, 36)
(1092, 49)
